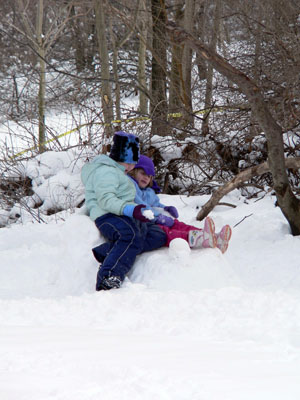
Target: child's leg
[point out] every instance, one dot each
(223, 238)
(127, 243)
(178, 230)
(172, 233)
(101, 251)
(195, 237)
(154, 238)
(181, 226)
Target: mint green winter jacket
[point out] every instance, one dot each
(107, 188)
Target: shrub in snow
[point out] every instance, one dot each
(44, 185)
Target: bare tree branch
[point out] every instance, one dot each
(238, 180)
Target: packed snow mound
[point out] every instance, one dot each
(50, 260)
(179, 268)
(55, 260)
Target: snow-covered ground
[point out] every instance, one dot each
(186, 325)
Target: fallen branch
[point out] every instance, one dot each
(249, 173)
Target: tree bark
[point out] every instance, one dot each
(106, 96)
(116, 45)
(175, 99)
(37, 38)
(180, 97)
(210, 69)
(41, 101)
(78, 41)
(117, 89)
(287, 201)
(143, 30)
(42, 74)
(159, 107)
(187, 54)
(201, 19)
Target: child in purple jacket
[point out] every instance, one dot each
(146, 193)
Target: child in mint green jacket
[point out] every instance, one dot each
(109, 199)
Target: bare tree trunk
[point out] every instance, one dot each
(143, 33)
(117, 90)
(256, 76)
(187, 53)
(16, 94)
(42, 73)
(41, 102)
(117, 44)
(106, 96)
(210, 70)
(78, 41)
(180, 98)
(41, 52)
(201, 19)
(175, 99)
(159, 107)
(287, 201)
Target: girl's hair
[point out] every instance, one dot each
(133, 173)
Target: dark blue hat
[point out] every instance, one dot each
(126, 148)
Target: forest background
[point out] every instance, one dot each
(211, 88)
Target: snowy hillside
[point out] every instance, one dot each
(186, 325)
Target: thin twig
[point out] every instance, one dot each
(243, 220)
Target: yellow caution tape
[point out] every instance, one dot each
(117, 121)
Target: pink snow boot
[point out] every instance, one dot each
(203, 238)
(223, 238)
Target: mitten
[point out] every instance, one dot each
(137, 213)
(164, 220)
(172, 210)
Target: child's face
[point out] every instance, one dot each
(142, 178)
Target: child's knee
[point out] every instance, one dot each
(133, 238)
(159, 238)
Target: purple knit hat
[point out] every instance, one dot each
(146, 164)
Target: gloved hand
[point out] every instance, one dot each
(164, 220)
(172, 210)
(137, 213)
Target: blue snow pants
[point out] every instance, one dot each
(126, 238)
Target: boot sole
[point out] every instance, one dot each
(226, 235)
(209, 234)
(212, 240)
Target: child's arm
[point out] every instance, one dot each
(157, 204)
(152, 199)
(106, 191)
